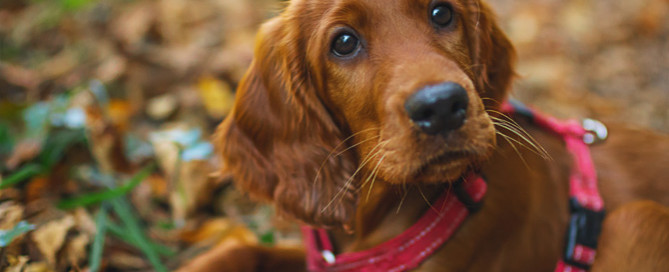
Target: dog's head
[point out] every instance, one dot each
(340, 92)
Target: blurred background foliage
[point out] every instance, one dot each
(107, 107)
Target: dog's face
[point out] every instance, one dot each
(343, 91)
(376, 56)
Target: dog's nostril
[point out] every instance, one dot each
(424, 115)
(458, 108)
(439, 108)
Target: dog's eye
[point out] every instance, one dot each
(345, 44)
(442, 15)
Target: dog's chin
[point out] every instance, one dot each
(445, 168)
(449, 167)
(435, 173)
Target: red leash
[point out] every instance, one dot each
(433, 229)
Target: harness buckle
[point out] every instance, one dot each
(595, 131)
(328, 256)
(584, 228)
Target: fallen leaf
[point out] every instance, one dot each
(50, 237)
(16, 264)
(10, 214)
(213, 228)
(23, 151)
(38, 267)
(131, 25)
(38, 187)
(112, 68)
(106, 142)
(125, 261)
(76, 249)
(20, 76)
(162, 107)
(59, 65)
(216, 95)
(120, 112)
(84, 221)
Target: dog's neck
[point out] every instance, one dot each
(523, 214)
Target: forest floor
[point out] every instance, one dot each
(107, 108)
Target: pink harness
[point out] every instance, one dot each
(437, 225)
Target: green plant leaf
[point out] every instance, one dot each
(97, 247)
(93, 198)
(57, 143)
(122, 234)
(132, 226)
(22, 174)
(6, 236)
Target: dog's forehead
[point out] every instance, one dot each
(372, 7)
(375, 15)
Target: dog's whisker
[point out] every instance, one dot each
(492, 99)
(508, 140)
(511, 120)
(521, 129)
(357, 144)
(367, 159)
(406, 192)
(337, 147)
(426, 200)
(375, 172)
(535, 148)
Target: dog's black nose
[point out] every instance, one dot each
(438, 108)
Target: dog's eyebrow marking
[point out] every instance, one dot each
(354, 13)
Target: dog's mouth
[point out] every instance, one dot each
(447, 157)
(447, 166)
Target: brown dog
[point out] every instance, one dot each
(323, 127)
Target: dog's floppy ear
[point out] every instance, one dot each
(492, 53)
(279, 139)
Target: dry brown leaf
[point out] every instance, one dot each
(76, 249)
(37, 188)
(23, 151)
(133, 23)
(38, 267)
(161, 107)
(125, 261)
(213, 228)
(211, 259)
(158, 186)
(59, 65)
(50, 237)
(193, 188)
(16, 264)
(84, 221)
(111, 68)
(106, 142)
(120, 112)
(20, 76)
(217, 96)
(10, 214)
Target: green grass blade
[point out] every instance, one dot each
(97, 247)
(22, 174)
(6, 236)
(93, 198)
(122, 234)
(132, 226)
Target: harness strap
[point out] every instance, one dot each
(405, 251)
(438, 224)
(586, 204)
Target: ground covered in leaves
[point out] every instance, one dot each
(107, 107)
